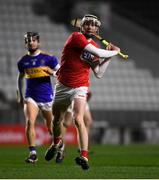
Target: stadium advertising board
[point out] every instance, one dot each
(15, 134)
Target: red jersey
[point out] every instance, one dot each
(74, 71)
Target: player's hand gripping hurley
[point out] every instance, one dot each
(77, 23)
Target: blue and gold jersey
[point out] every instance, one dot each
(38, 82)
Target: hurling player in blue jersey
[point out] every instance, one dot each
(36, 67)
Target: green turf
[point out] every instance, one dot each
(107, 162)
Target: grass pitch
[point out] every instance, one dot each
(107, 162)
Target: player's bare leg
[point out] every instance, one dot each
(67, 121)
(58, 113)
(87, 120)
(61, 149)
(48, 117)
(79, 108)
(31, 112)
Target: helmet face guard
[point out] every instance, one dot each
(89, 18)
(28, 37)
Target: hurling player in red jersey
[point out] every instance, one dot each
(78, 54)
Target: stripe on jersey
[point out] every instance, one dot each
(36, 72)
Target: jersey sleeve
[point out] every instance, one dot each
(79, 40)
(53, 62)
(20, 68)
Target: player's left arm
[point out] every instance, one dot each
(100, 69)
(52, 67)
(52, 72)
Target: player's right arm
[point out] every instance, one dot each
(102, 53)
(79, 40)
(20, 88)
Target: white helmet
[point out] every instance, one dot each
(94, 19)
(90, 17)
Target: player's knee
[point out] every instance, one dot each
(88, 124)
(57, 121)
(65, 125)
(50, 129)
(30, 123)
(78, 121)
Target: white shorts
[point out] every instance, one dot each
(42, 106)
(65, 95)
